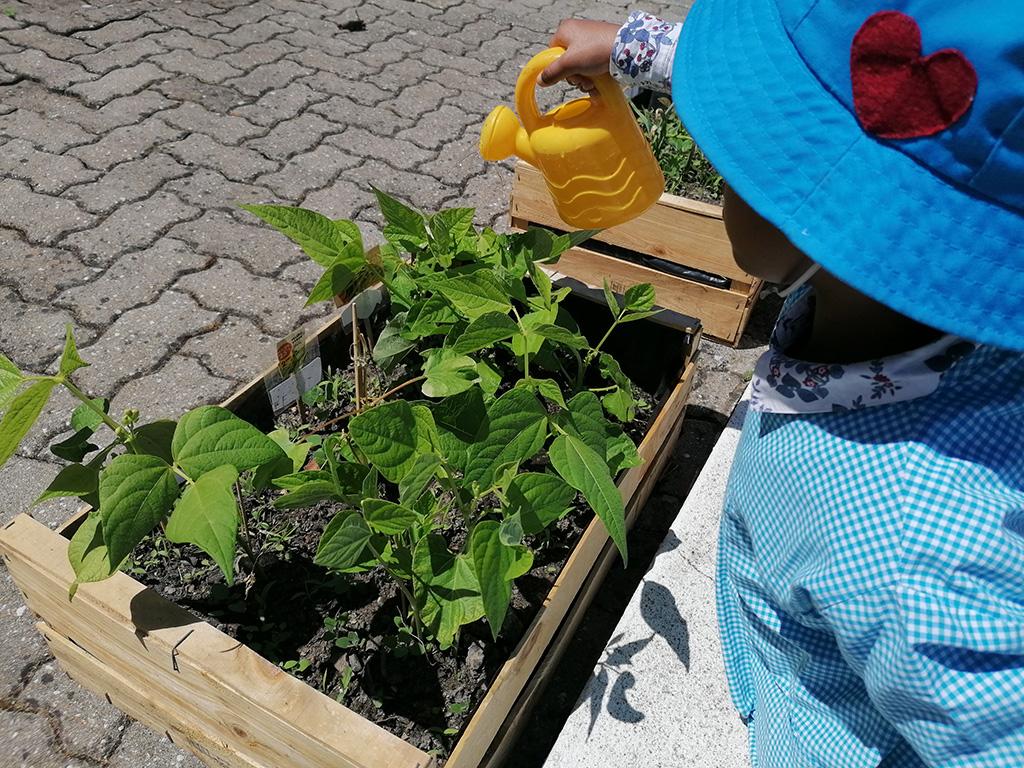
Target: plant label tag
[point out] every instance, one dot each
(291, 352)
(299, 369)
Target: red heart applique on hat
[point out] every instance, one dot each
(899, 93)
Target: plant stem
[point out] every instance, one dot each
(593, 352)
(526, 344)
(401, 586)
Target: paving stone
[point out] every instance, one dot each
(308, 9)
(127, 182)
(143, 748)
(135, 279)
(260, 248)
(209, 71)
(126, 143)
(44, 171)
(205, 47)
(397, 152)
(121, 55)
(437, 126)
(259, 53)
(251, 32)
(226, 129)
(416, 188)
(346, 66)
(120, 82)
(118, 31)
(380, 120)
(135, 225)
(245, 16)
(209, 190)
(489, 194)
(421, 99)
(236, 163)
(29, 741)
(394, 77)
(177, 386)
(23, 648)
(228, 287)
(175, 17)
(64, 19)
(337, 45)
(127, 110)
(41, 39)
(52, 73)
(31, 335)
(136, 343)
(61, 109)
(88, 724)
(216, 98)
(41, 218)
(293, 136)
(236, 350)
(343, 199)
(268, 77)
(43, 133)
(305, 273)
(23, 480)
(457, 161)
(308, 171)
(299, 21)
(37, 272)
(280, 104)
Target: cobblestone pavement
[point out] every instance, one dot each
(129, 131)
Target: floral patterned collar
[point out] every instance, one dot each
(782, 384)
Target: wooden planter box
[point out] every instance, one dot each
(217, 698)
(674, 233)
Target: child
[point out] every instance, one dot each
(871, 559)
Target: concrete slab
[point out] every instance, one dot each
(658, 697)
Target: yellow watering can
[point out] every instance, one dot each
(598, 166)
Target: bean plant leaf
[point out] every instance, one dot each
(562, 335)
(76, 447)
(211, 436)
(485, 331)
(21, 414)
(88, 554)
(155, 439)
(492, 561)
(475, 294)
(511, 531)
(448, 373)
(586, 471)
(323, 240)
(404, 227)
(619, 402)
(345, 543)
(10, 379)
(517, 430)
(335, 280)
(429, 318)
(387, 437)
(610, 299)
(86, 417)
(72, 480)
(416, 480)
(391, 346)
(307, 493)
(461, 421)
(587, 421)
(621, 452)
(639, 298)
(632, 317)
(490, 378)
(136, 493)
(207, 515)
(387, 517)
(546, 388)
(538, 499)
(445, 587)
(70, 360)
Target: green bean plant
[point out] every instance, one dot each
(506, 414)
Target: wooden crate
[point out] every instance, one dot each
(217, 698)
(674, 231)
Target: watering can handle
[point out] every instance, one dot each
(526, 85)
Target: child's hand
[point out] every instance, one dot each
(588, 48)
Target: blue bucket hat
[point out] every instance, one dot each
(884, 138)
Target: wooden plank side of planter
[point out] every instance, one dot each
(230, 692)
(722, 312)
(579, 571)
(676, 229)
(520, 712)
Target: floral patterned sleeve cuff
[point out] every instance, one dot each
(643, 52)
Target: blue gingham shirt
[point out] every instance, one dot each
(871, 577)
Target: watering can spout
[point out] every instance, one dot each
(502, 136)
